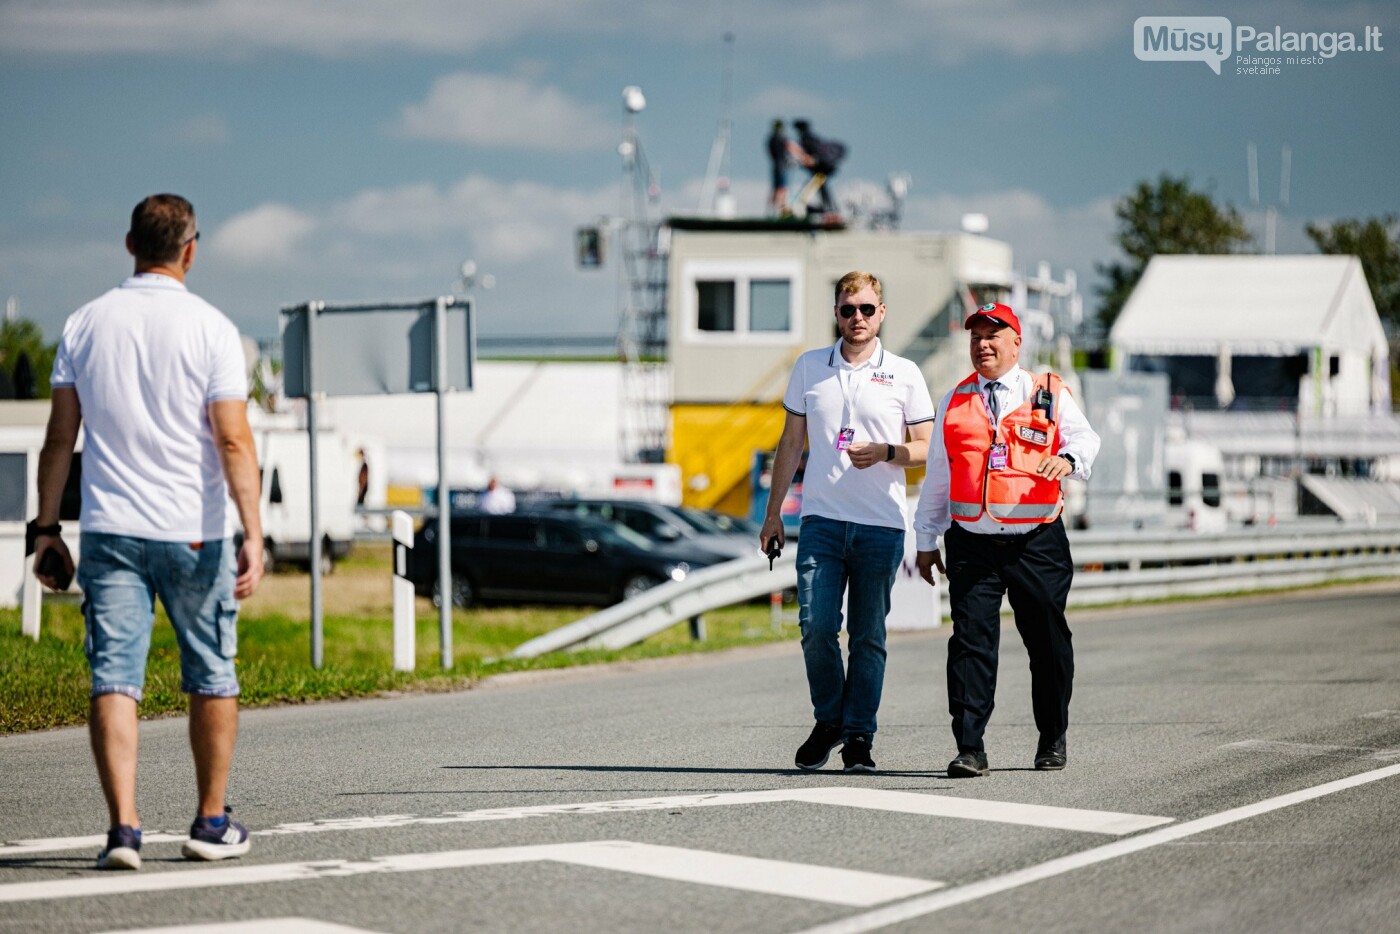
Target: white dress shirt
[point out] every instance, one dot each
(1076, 438)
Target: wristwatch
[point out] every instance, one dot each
(889, 452)
(1070, 459)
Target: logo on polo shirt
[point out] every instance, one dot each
(882, 377)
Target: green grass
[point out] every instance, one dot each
(45, 684)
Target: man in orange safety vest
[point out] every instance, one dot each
(1003, 440)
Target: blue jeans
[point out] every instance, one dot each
(121, 576)
(832, 556)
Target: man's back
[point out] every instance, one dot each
(146, 360)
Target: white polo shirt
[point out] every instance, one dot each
(146, 359)
(877, 399)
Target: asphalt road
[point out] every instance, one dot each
(1234, 766)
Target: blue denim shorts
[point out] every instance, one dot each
(121, 577)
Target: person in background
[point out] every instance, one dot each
(497, 500)
(823, 157)
(782, 152)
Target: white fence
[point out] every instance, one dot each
(1111, 567)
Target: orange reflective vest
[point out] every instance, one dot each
(1014, 493)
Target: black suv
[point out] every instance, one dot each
(663, 525)
(548, 558)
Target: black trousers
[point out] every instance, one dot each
(1035, 571)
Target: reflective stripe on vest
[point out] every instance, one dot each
(1022, 511)
(965, 510)
(1014, 494)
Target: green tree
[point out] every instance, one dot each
(22, 338)
(1167, 216)
(1376, 242)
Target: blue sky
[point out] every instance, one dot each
(358, 149)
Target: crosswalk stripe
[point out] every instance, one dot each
(935, 805)
(252, 926)
(1006, 812)
(849, 887)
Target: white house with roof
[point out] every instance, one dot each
(1281, 364)
(1258, 333)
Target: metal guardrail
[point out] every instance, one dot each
(663, 606)
(1113, 567)
(1110, 567)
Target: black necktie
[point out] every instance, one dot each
(992, 388)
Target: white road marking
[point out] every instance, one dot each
(1006, 812)
(254, 926)
(926, 905)
(1313, 749)
(765, 876)
(56, 844)
(936, 805)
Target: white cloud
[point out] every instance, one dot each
(498, 111)
(202, 130)
(1075, 237)
(266, 234)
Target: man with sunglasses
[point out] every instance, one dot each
(1003, 441)
(865, 415)
(157, 377)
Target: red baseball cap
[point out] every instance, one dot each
(994, 311)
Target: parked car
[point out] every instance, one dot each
(546, 557)
(664, 524)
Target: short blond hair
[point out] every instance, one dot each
(852, 282)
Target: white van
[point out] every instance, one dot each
(1195, 500)
(285, 465)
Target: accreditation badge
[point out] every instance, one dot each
(844, 438)
(998, 458)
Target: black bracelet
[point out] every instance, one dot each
(54, 529)
(890, 455)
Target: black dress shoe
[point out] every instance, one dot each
(968, 765)
(1050, 757)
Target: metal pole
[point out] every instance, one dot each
(443, 496)
(312, 309)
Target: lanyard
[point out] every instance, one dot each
(849, 395)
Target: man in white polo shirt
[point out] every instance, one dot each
(157, 375)
(865, 415)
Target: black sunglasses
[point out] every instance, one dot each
(191, 239)
(849, 311)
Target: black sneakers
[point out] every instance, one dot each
(855, 755)
(814, 753)
(123, 849)
(1050, 757)
(968, 765)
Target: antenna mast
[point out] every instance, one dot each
(641, 290)
(715, 196)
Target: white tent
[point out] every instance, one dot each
(1264, 306)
